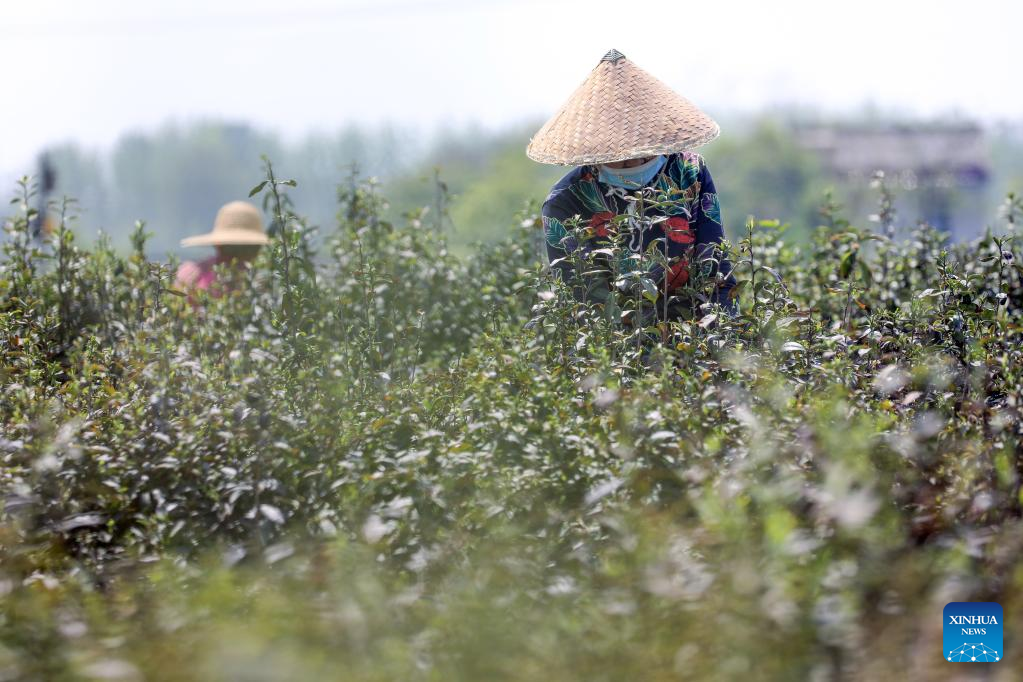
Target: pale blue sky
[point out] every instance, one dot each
(89, 71)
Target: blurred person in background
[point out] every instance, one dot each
(624, 130)
(237, 236)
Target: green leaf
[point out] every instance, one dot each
(257, 189)
(737, 289)
(649, 289)
(846, 265)
(707, 320)
(771, 271)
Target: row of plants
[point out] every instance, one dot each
(371, 459)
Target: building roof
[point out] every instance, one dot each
(957, 150)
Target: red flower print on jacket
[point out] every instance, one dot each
(599, 222)
(678, 274)
(677, 229)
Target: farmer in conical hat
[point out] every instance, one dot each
(624, 130)
(237, 236)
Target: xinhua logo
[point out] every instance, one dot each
(973, 632)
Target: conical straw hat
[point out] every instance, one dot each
(620, 112)
(238, 222)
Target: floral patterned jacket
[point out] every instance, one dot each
(691, 229)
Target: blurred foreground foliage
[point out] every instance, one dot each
(379, 461)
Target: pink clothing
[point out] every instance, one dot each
(193, 275)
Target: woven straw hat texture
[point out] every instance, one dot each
(238, 222)
(620, 112)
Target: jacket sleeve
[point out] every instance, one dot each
(709, 234)
(562, 246)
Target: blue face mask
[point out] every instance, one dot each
(632, 178)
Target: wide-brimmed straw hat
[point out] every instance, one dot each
(238, 223)
(620, 112)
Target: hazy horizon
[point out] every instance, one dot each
(422, 66)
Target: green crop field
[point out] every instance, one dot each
(377, 460)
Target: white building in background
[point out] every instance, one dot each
(940, 173)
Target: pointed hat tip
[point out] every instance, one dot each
(612, 56)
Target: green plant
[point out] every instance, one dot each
(372, 459)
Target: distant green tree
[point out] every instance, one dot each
(81, 174)
(179, 177)
(488, 184)
(176, 177)
(763, 172)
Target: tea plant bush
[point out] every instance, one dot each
(373, 460)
